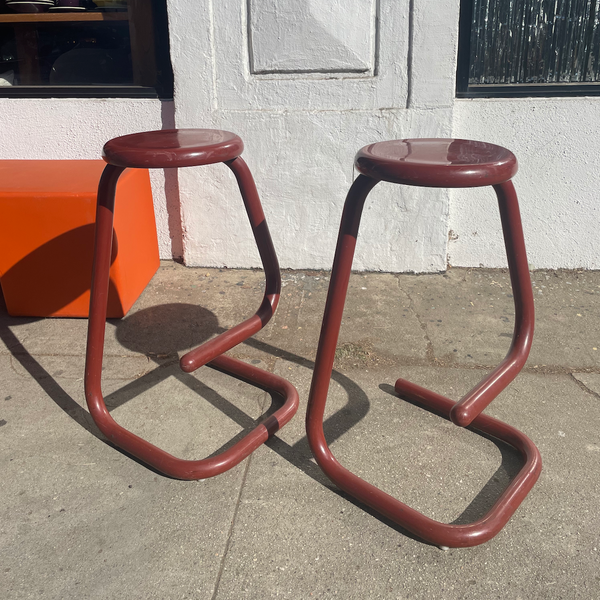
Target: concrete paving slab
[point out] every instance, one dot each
(567, 329)
(189, 415)
(378, 323)
(120, 368)
(39, 336)
(79, 519)
(379, 315)
(82, 520)
(468, 315)
(294, 537)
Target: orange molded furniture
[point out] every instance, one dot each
(47, 216)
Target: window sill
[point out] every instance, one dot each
(88, 91)
(522, 90)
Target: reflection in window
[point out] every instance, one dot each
(529, 43)
(85, 44)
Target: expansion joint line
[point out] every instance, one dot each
(412, 307)
(231, 528)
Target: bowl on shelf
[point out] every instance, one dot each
(20, 6)
(68, 6)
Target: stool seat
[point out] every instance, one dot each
(173, 148)
(437, 162)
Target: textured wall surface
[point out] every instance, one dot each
(303, 116)
(557, 146)
(306, 84)
(312, 36)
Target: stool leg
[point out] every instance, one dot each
(476, 400)
(121, 437)
(206, 352)
(332, 317)
(99, 296)
(441, 534)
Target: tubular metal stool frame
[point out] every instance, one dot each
(433, 163)
(169, 149)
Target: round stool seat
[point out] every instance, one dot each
(173, 148)
(437, 162)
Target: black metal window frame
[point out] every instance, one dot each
(515, 90)
(163, 89)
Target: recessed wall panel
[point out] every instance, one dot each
(311, 36)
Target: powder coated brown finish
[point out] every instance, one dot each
(397, 161)
(437, 162)
(173, 148)
(184, 148)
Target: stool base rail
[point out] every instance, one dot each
(222, 343)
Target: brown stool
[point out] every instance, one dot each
(173, 149)
(433, 163)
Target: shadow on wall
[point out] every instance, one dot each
(172, 189)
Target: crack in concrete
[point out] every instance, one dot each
(584, 387)
(25, 352)
(429, 352)
(270, 363)
(231, 528)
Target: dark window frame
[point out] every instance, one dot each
(162, 89)
(516, 90)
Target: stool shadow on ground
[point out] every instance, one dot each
(138, 332)
(160, 331)
(509, 468)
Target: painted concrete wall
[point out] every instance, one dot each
(303, 112)
(338, 75)
(557, 145)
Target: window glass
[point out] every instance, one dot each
(542, 45)
(84, 47)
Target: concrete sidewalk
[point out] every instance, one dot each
(79, 519)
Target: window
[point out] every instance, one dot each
(529, 48)
(80, 48)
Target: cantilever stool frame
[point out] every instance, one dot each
(170, 149)
(390, 161)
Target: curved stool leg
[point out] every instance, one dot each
(206, 352)
(121, 437)
(476, 400)
(441, 534)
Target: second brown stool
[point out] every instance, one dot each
(433, 163)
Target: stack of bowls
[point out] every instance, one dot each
(32, 6)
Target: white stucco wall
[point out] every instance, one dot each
(557, 146)
(343, 74)
(302, 129)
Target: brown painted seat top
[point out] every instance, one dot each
(437, 162)
(173, 148)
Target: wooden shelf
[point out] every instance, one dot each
(63, 17)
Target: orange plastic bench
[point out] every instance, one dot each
(47, 215)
